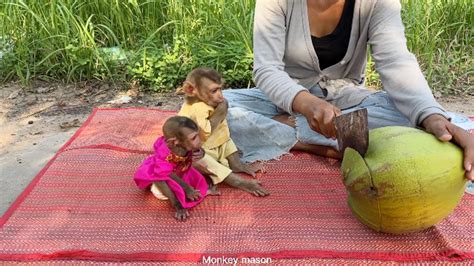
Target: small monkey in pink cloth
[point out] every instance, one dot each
(169, 171)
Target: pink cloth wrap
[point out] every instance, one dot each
(159, 166)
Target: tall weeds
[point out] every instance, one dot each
(157, 41)
(440, 33)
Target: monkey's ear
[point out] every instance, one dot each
(188, 88)
(172, 142)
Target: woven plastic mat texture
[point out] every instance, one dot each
(84, 205)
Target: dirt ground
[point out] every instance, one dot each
(29, 113)
(37, 121)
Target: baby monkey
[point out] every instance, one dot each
(169, 171)
(205, 104)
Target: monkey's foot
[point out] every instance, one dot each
(252, 186)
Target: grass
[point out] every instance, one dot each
(156, 42)
(440, 33)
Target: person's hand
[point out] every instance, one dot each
(446, 131)
(319, 113)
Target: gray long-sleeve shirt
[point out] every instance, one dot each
(285, 62)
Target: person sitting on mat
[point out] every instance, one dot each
(309, 67)
(169, 171)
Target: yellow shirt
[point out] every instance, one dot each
(200, 113)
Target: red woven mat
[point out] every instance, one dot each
(85, 205)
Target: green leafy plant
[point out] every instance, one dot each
(163, 39)
(162, 70)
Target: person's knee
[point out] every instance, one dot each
(229, 96)
(233, 95)
(380, 98)
(237, 113)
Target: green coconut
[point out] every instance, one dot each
(407, 181)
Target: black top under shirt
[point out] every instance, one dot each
(331, 48)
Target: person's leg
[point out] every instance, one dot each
(263, 132)
(324, 147)
(382, 111)
(256, 134)
(321, 150)
(253, 100)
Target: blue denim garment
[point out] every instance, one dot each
(261, 138)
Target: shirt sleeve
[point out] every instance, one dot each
(201, 114)
(269, 41)
(399, 71)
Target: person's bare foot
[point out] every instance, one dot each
(237, 166)
(286, 119)
(320, 150)
(252, 186)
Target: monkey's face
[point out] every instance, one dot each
(210, 92)
(190, 140)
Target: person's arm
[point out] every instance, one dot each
(399, 71)
(269, 44)
(269, 49)
(403, 80)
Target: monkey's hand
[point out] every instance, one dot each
(202, 168)
(198, 154)
(192, 194)
(219, 114)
